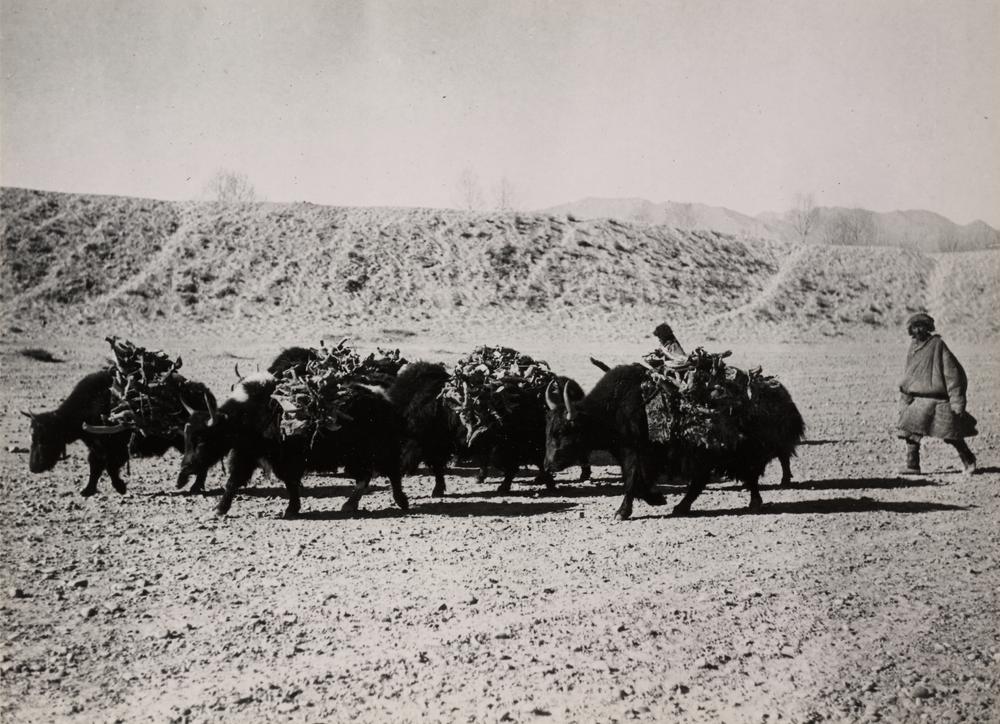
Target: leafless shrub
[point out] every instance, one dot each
(470, 195)
(804, 215)
(230, 187)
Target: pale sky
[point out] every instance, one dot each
(884, 104)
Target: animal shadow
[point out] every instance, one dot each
(593, 488)
(846, 484)
(490, 509)
(317, 491)
(833, 505)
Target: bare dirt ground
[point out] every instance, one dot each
(854, 596)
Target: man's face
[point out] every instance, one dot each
(919, 332)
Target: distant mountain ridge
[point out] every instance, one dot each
(917, 229)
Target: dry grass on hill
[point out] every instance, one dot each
(73, 260)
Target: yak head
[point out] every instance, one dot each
(206, 439)
(48, 441)
(565, 440)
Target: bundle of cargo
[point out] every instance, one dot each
(314, 401)
(700, 400)
(147, 392)
(490, 386)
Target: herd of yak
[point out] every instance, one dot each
(389, 429)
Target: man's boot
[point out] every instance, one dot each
(965, 455)
(912, 466)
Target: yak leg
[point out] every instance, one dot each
(293, 484)
(544, 476)
(199, 482)
(241, 467)
(360, 486)
(398, 496)
(508, 478)
(756, 503)
(96, 463)
(438, 467)
(651, 494)
(786, 468)
(585, 471)
(114, 454)
(697, 484)
(631, 474)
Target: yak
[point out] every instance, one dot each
(51, 432)
(81, 416)
(247, 428)
(613, 416)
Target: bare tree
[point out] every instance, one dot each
(469, 193)
(804, 215)
(852, 227)
(504, 194)
(230, 187)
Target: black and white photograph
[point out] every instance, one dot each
(483, 362)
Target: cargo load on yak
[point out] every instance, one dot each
(148, 394)
(700, 400)
(315, 400)
(490, 386)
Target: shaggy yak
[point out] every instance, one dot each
(247, 427)
(52, 431)
(775, 423)
(81, 417)
(613, 417)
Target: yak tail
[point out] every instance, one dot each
(600, 365)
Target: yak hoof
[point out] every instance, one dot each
(88, 491)
(584, 475)
(623, 513)
(222, 509)
(785, 481)
(655, 497)
(401, 501)
(290, 514)
(438, 492)
(679, 512)
(503, 488)
(351, 506)
(756, 505)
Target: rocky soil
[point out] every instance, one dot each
(855, 595)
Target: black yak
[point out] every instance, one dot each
(247, 427)
(610, 417)
(51, 432)
(432, 431)
(613, 416)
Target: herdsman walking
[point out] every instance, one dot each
(933, 396)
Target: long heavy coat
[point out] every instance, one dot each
(933, 392)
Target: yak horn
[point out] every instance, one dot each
(570, 414)
(236, 367)
(106, 429)
(551, 396)
(29, 415)
(190, 410)
(210, 404)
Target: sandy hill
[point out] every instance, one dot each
(919, 230)
(73, 260)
